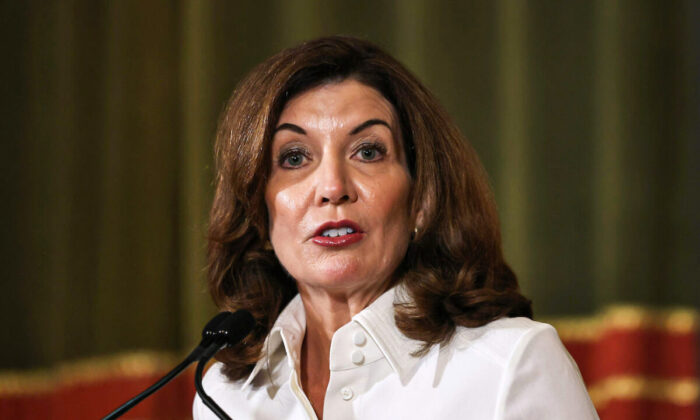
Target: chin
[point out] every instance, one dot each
(337, 275)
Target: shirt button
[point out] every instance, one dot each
(359, 338)
(346, 392)
(358, 357)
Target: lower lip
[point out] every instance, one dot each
(337, 241)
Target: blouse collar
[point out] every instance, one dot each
(377, 320)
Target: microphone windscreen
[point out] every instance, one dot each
(234, 327)
(209, 331)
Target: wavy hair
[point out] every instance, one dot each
(454, 272)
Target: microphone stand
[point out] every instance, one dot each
(224, 329)
(230, 331)
(192, 357)
(206, 399)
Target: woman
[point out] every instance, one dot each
(356, 224)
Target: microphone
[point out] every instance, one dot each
(220, 331)
(226, 329)
(230, 331)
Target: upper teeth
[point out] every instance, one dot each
(337, 232)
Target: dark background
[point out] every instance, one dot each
(585, 114)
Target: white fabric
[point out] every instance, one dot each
(512, 368)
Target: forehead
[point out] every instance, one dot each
(338, 103)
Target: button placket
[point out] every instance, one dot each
(357, 357)
(359, 338)
(346, 393)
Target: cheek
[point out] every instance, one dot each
(390, 205)
(286, 208)
(395, 226)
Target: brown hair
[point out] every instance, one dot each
(454, 270)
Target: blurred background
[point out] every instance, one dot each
(586, 115)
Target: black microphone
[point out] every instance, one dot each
(212, 334)
(227, 329)
(230, 331)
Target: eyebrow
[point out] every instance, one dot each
(369, 123)
(296, 129)
(290, 127)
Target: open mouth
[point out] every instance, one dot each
(338, 234)
(334, 233)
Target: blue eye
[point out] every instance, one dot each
(368, 154)
(371, 152)
(295, 159)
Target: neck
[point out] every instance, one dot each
(327, 311)
(325, 314)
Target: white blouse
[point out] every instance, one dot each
(512, 368)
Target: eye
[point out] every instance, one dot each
(371, 152)
(292, 159)
(368, 154)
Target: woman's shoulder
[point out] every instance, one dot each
(214, 380)
(221, 389)
(537, 374)
(503, 339)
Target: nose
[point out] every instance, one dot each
(334, 183)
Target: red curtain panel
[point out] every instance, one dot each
(637, 363)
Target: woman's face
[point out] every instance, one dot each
(338, 192)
